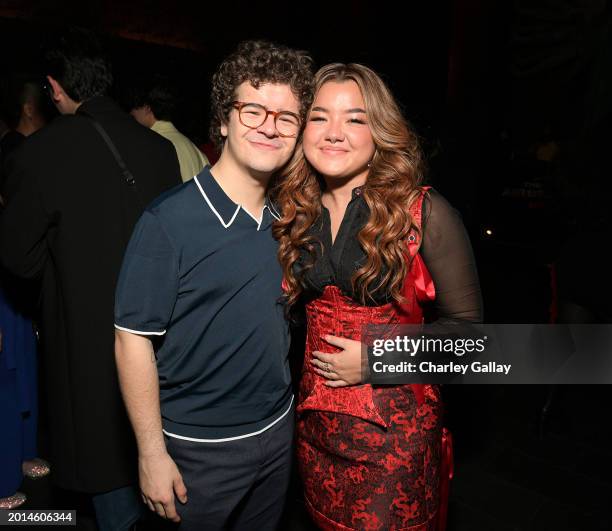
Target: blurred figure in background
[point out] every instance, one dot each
(22, 115)
(73, 195)
(154, 107)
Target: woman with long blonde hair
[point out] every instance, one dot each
(362, 241)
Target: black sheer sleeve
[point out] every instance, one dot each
(447, 253)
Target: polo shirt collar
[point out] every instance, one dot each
(223, 207)
(268, 215)
(272, 208)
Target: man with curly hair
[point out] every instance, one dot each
(212, 406)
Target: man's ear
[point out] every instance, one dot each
(57, 92)
(149, 115)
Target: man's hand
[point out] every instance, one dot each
(160, 480)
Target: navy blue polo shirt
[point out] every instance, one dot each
(202, 272)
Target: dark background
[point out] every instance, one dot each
(513, 101)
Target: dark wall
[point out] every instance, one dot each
(409, 51)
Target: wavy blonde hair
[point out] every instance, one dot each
(392, 185)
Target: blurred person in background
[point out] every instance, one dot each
(73, 194)
(154, 107)
(22, 115)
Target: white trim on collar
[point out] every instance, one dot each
(225, 225)
(273, 211)
(258, 221)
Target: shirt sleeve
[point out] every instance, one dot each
(148, 282)
(447, 253)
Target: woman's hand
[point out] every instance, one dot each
(343, 368)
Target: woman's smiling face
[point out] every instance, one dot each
(337, 138)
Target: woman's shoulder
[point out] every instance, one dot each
(436, 205)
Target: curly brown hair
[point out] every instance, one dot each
(258, 62)
(393, 184)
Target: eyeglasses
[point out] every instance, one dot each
(254, 115)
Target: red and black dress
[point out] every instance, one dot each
(373, 457)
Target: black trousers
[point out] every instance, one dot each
(238, 485)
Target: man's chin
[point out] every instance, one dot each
(265, 169)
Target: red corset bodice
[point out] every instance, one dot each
(336, 314)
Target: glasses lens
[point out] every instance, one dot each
(252, 115)
(287, 123)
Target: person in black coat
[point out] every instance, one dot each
(68, 217)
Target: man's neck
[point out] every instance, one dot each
(71, 107)
(151, 122)
(25, 127)
(243, 187)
